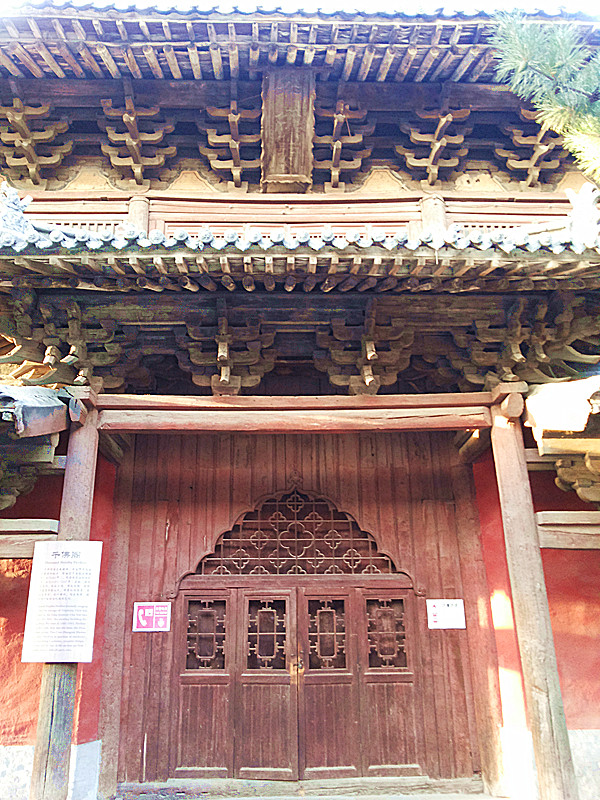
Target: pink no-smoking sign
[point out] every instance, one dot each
(151, 617)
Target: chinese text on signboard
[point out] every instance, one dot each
(446, 614)
(61, 608)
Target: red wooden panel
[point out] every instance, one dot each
(187, 491)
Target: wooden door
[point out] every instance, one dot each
(178, 719)
(295, 682)
(386, 642)
(327, 680)
(207, 682)
(238, 697)
(266, 706)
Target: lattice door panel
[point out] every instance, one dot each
(386, 633)
(326, 634)
(267, 633)
(207, 620)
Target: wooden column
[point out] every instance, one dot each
(138, 213)
(433, 215)
(50, 777)
(554, 763)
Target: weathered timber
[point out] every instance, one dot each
(482, 650)
(440, 419)
(538, 463)
(199, 94)
(569, 530)
(556, 776)
(106, 402)
(473, 446)
(287, 129)
(18, 536)
(112, 679)
(50, 774)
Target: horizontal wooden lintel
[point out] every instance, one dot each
(18, 536)
(569, 530)
(131, 402)
(8, 526)
(186, 93)
(297, 421)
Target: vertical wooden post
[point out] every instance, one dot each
(433, 215)
(556, 776)
(138, 213)
(50, 776)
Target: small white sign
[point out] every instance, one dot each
(151, 617)
(447, 614)
(61, 608)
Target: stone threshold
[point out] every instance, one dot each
(339, 788)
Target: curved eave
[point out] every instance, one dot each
(361, 261)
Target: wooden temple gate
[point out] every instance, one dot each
(237, 218)
(388, 468)
(301, 646)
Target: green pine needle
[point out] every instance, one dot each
(549, 66)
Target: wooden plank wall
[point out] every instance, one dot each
(401, 487)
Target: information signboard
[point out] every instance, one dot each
(151, 617)
(61, 608)
(446, 614)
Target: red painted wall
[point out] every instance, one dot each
(573, 585)
(20, 683)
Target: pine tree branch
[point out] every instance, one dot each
(550, 67)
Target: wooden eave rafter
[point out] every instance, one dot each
(373, 269)
(75, 43)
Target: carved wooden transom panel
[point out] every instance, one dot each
(296, 533)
